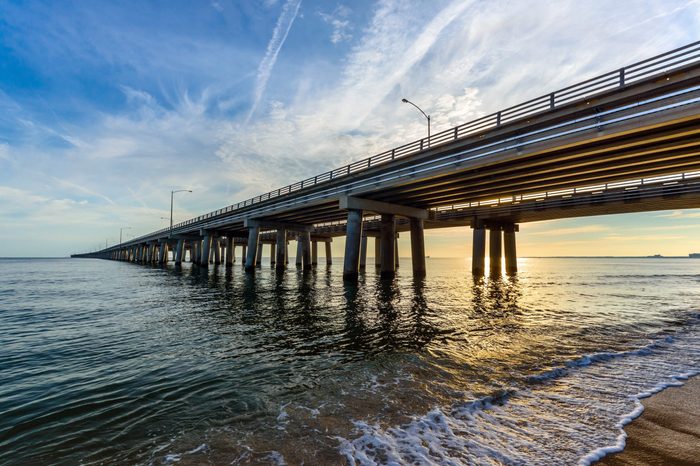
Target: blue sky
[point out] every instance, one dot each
(106, 106)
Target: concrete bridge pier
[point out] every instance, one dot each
(377, 252)
(281, 252)
(258, 256)
(479, 250)
(244, 253)
(495, 249)
(417, 247)
(273, 254)
(217, 250)
(299, 260)
(179, 251)
(363, 252)
(388, 245)
(509, 246)
(253, 249)
(329, 254)
(386, 248)
(314, 253)
(196, 247)
(351, 262)
(162, 252)
(230, 249)
(396, 251)
(206, 250)
(306, 250)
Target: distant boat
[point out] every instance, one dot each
(694, 255)
(656, 256)
(428, 257)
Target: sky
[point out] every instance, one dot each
(105, 106)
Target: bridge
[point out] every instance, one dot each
(625, 141)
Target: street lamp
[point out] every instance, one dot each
(406, 101)
(120, 233)
(172, 194)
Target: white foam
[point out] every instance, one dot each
(567, 415)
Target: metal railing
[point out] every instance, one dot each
(663, 63)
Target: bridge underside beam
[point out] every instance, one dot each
(369, 205)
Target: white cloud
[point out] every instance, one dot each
(680, 214)
(279, 35)
(340, 24)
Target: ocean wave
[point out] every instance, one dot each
(572, 414)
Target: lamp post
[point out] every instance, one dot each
(406, 101)
(172, 194)
(120, 233)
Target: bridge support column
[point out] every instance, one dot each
(273, 254)
(229, 251)
(162, 252)
(206, 250)
(377, 252)
(388, 245)
(244, 253)
(196, 248)
(479, 250)
(216, 244)
(300, 252)
(251, 257)
(509, 246)
(363, 253)
(306, 250)
(281, 253)
(417, 247)
(495, 250)
(329, 254)
(396, 250)
(314, 253)
(179, 251)
(351, 261)
(258, 256)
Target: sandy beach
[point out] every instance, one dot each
(668, 432)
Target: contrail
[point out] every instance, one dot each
(279, 35)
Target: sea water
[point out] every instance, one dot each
(107, 362)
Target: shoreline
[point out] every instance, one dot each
(666, 432)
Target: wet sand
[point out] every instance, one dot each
(668, 432)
